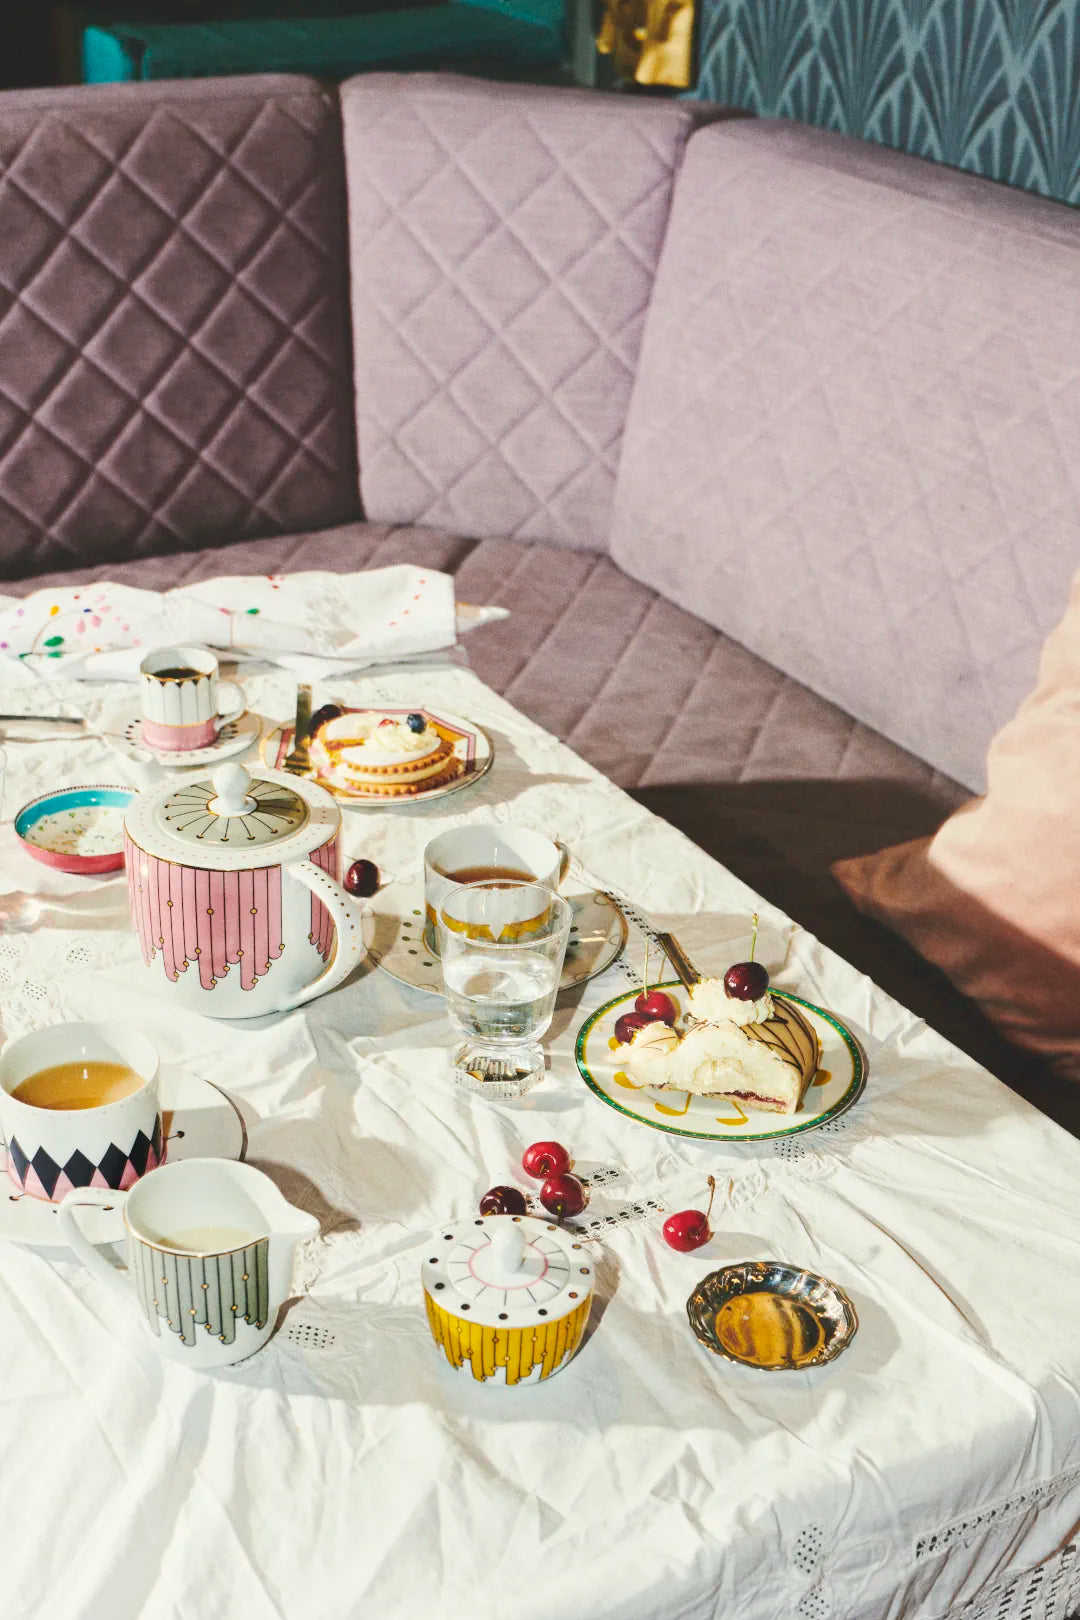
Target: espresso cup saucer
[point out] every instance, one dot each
(200, 1122)
(393, 927)
(123, 728)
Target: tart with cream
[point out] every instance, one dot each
(382, 756)
(758, 1050)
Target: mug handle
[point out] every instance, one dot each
(229, 692)
(67, 1220)
(564, 858)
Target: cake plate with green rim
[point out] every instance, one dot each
(838, 1083)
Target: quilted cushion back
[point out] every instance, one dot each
(503, 245)
(174, 350)
(852, 443)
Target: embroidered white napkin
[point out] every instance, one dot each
(316, 624)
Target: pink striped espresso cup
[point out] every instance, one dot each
(182, 699)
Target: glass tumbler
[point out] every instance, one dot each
(502, 946)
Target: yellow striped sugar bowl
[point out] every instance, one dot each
(507, 1297)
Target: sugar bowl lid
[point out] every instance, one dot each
(507, 1271)
(233, 819)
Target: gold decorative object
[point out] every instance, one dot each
(772, 1316)
(651, 41)
(296, 760)
(688, 973)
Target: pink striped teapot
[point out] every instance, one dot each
(234, 892)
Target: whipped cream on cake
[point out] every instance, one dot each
(377, 755)
(647, 1051)
(711, 1004)
(762, 1052)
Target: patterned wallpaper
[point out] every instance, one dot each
(989, 85)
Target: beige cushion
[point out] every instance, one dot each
(994, 897)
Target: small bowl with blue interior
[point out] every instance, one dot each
(76, 829)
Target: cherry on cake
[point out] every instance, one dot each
(761, 1052)
(373, 755)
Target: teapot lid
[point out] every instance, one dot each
(232, 819)
(232, 808)
(507, 1271)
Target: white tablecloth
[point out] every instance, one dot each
(345, 1471)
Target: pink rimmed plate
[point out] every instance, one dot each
(76, 829)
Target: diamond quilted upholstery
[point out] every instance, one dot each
(174, 350)
(649, 694)
(852, 440)
(503, 245)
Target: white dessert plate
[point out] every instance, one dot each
(200, 1122)
(838, 1083)
(472, 746)
(394, 935)
(125, 729)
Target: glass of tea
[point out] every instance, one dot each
(502, 945)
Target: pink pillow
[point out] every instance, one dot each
(994, 897)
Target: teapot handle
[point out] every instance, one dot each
(349, 947)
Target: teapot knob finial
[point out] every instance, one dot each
(231, 783)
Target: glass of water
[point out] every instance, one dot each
(502, 946)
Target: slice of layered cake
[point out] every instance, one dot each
(754, 1047)
(374, 755)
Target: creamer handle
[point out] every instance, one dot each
(68, 1222)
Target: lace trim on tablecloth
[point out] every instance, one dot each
(36, 969)
(961, 1532)
(1050, 1591)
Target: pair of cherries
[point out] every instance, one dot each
(651, 1007)
(561, 1193)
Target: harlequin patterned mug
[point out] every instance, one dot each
(51, 1150)
(181, 697)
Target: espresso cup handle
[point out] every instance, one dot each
(564, 858)
(91, 1257)
(228, 693)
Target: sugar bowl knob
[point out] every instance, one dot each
(231, 783)
(507, 1255)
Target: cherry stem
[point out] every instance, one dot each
(753, 935)
(712, 1195)
(645, 975)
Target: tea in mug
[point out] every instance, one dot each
(177, 672)
(84, 1083)
(490, 874)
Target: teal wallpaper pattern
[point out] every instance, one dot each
(989, 85)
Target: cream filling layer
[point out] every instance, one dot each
(339, 767)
